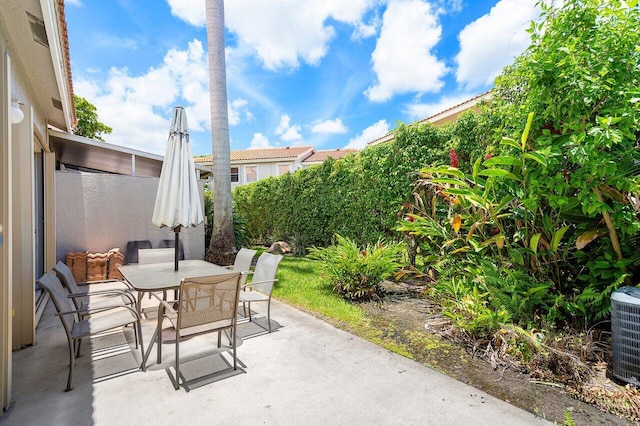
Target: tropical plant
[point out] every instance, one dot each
(544, 201)
(356, 272)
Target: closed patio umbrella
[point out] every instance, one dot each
(178, 200)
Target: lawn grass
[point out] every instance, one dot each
(301, 285)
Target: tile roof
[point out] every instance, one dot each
(291, 152)
(320, 156)
(462, 106)
(65, 47)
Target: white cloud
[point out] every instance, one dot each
(493, 41)
(190, 11)
(259, 141)
(73, 3)
(329, 126)
(288, 132)
(138, 107)
(281, 32)
(402, 60)
(419, 111)
(103, 40)
(236, 109)
(372, 132)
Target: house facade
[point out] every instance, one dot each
(35, 94)
(252, 165)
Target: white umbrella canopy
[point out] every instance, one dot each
(178, 200)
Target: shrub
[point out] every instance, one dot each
(357, 272)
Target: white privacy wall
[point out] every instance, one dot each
(98, 212)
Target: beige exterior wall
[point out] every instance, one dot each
(265, 170)
(5, 232)
(98, 212)
(23, 230)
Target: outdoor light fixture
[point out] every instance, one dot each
(16, 113)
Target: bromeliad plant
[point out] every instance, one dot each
(356, 272)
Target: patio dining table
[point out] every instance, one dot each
(154, 277)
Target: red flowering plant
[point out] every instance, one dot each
(454, 158)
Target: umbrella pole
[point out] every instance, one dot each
(177, 245)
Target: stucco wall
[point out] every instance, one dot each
(97, 212)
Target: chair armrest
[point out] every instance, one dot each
(259, 282)
(122, 293)
(168, 305)
(111, 281)
(98, 310)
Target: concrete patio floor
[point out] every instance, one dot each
(305, 372)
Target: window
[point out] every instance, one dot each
(251, 172)
(283, 169)
(235, 175)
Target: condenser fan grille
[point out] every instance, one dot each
(625, 330)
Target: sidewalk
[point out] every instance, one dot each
(305, 372)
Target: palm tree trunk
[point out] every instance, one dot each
(222, 246)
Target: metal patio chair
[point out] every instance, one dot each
(206, 304)
(261, 285)
(105, 319)
(242, 263)
(94, 294)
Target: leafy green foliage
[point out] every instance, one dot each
(543, 200)
(536, 227)
(88, 124)
(357, 197)
(357, 272)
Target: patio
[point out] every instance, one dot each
(305, 371)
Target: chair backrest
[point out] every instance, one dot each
(51, 284)
(133, 247)
(208, 300)
(266, 270)
(157, 255)
(172, 244)
(243, 260)
(66, 277)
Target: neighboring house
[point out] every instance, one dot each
(251, 165)
(35, 73)
(446, 116)
(318, 157)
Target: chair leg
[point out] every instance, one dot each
(72, 357)
(138, 326)
(159, 339)
(77, 347)
(249, 303)
(177, 384)
(235, 358)
(269, 314)
(135, 334)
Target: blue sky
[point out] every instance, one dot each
(327, 73)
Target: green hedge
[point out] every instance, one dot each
(358, 197)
